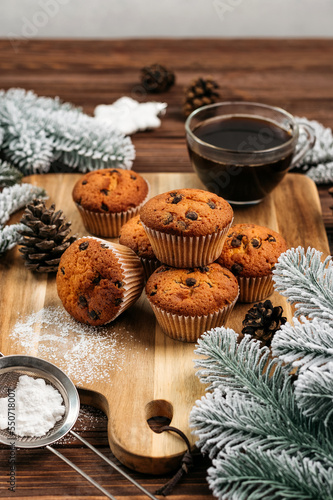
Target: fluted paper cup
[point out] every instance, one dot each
(108, 224)
(255, 289)
(190, 328)
(133, 274)
(149, 266)
(186, 251)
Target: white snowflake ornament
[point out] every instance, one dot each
(129, 116)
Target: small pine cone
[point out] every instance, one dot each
(45, 237)
(262, 321)
(157, 78)
(200, 92)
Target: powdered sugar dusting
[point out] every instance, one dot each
(85, 353)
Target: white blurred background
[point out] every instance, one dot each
(167, 18)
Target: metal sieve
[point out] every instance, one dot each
(11, 368)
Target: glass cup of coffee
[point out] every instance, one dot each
(242, 150)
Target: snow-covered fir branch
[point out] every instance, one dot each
(15, 197)
(263, 475)
(314, 392)
(247, 402)
(26, 99)
(225, 363)
(9, 175)
(318, 162)
(253, 413)
(10, 236)
(235, 422)
(38, 131)
(306, 281)
(322, 173)
(305, 343)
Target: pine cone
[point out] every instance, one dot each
(157, 78)
(45, 237)
(200, 92)
(263, 320)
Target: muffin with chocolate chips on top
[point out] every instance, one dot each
(186, 227)
(98, 280)
(188, 302)
(251, 252)
(108, 198)
(133, 236)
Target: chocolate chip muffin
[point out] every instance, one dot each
(108, 198)
(186, 227)
(98, 280)
(133, 236)
(251, 252)
(187, 302)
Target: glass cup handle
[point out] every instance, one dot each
(311, 139)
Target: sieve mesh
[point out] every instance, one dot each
(9, 377)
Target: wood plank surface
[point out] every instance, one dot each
(294, 74)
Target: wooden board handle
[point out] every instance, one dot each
(158, 453)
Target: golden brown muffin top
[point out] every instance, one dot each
(187, 212)
(251, 250)
(133, 235)
(192, 292)
(90, 281)
(110, 190)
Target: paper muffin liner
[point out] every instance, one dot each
(108, 224)
(149, 266)
(133, 274)
(255, 289)
(186, 251)
(190, 328)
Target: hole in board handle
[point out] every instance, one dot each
(158, 414)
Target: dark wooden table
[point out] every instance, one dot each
(294, 74)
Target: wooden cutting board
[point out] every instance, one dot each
(141, 373)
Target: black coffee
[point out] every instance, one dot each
(243, 134)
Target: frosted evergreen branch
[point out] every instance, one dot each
(314, 393)
(247, 401)
(322, 173)
(26, 99)
(236, 422)
(9, 175)
(259, 474)
(98, 147)
(224, 363)
(15, 197)
(320, 157)
(10, 236)
(305, 280)
(304, 344)
(30, 151)
(38, 131)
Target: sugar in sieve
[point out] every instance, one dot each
(11, 368)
